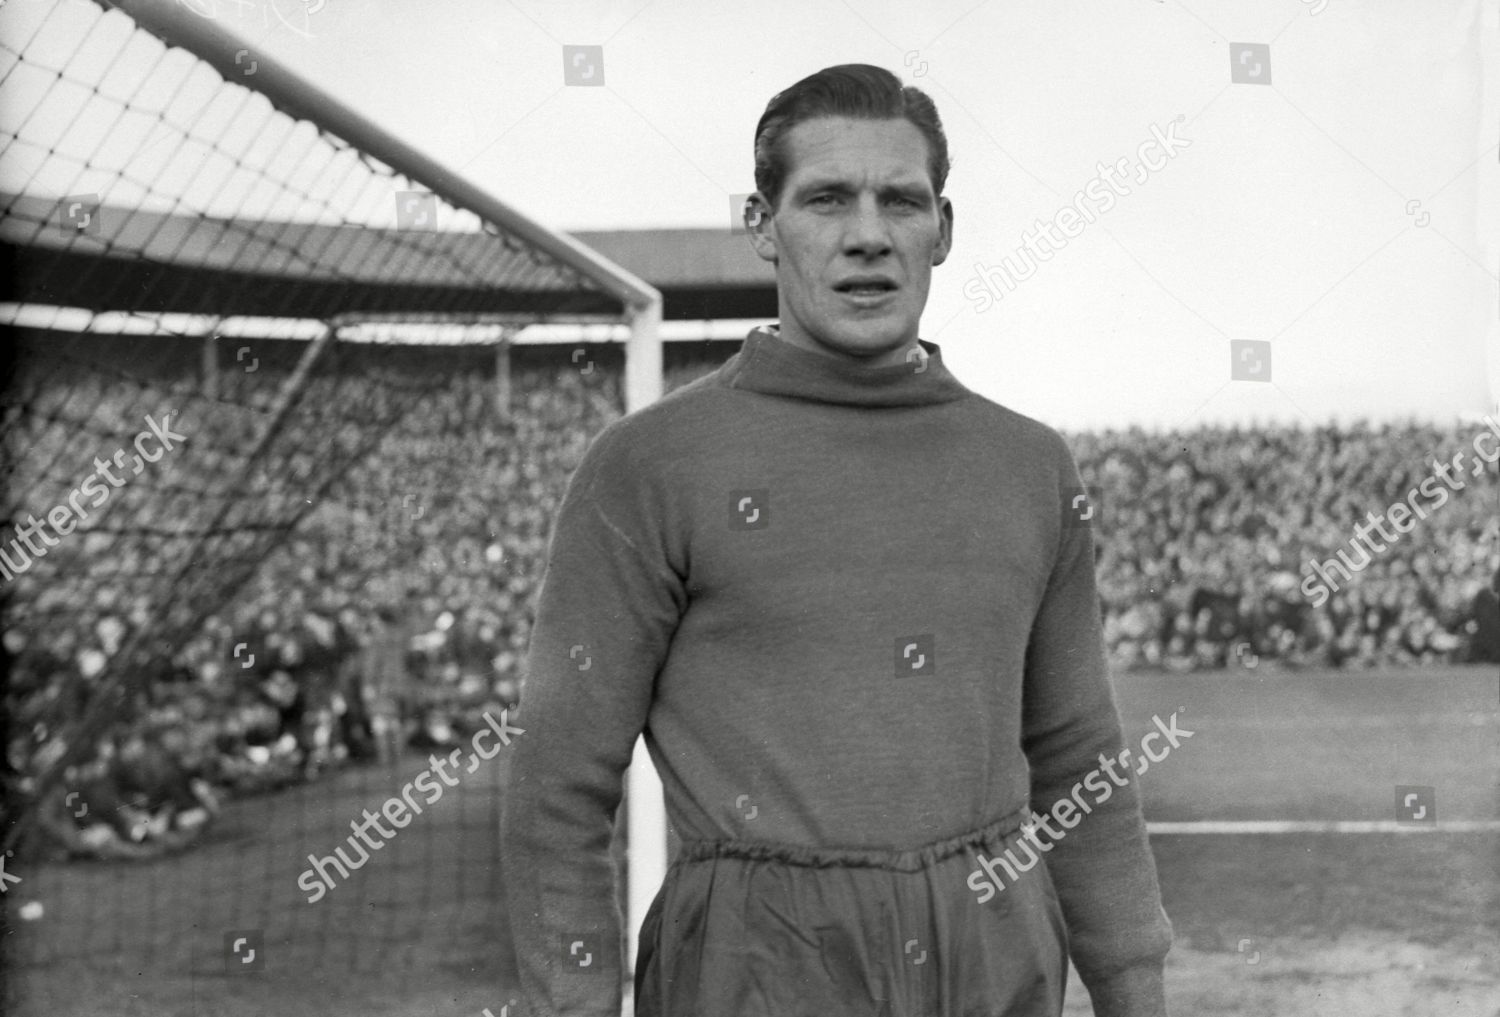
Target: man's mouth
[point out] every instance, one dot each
(866, 288)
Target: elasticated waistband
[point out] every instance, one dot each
(913, 860)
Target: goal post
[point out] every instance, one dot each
(646, 845)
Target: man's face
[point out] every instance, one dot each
(855, 237)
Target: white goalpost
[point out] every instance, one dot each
(646, 846)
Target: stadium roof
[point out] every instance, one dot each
(161, 262)
(192, 264)
(701, 273)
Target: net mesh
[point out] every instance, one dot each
(216, 300)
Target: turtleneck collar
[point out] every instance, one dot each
(768, 363)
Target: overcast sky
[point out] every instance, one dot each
(1327, 204)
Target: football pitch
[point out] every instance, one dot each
(1397, 912)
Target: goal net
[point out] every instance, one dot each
(261, 395)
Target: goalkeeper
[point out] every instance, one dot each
(851, 606)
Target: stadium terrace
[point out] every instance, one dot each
(62, 516)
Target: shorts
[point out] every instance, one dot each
(754, 929)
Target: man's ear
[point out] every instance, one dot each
(945, 232)
(759, 222)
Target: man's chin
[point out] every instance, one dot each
(870, 338)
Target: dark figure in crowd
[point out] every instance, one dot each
(1484, 624)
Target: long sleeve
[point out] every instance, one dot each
(608, 605)
(1102, 867)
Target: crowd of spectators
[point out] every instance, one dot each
(430, 549)
(1208, 540)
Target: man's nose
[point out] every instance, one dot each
(867, 232)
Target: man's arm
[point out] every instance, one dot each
(609, 603)
(1102, 867)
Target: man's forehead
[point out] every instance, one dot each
(858, 151)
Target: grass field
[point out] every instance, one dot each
(1377, 924)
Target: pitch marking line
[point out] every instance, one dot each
(1325, 826)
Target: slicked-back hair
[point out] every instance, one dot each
(859, 91)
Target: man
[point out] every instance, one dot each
(387, 675)
(1484, 623)
(851, 606)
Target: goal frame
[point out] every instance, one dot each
(641, 311)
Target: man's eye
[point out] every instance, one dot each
(822, 199)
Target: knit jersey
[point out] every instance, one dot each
(847, 606)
